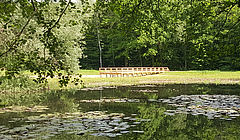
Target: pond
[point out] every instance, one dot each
(133, 112)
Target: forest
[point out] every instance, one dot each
(48, 36)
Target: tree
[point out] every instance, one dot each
(42, 37)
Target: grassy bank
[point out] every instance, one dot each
(20, 90)
(173, 77)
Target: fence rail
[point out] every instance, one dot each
(131, 71)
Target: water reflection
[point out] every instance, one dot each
(184, 126)
(145, 119)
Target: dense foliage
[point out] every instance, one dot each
(42, 37)
(45, 37)
(180, 34)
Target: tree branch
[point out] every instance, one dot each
(11, 46)
(33, 5)
(58, 20)
(226, 17)
(137, 6)
(225, 21)
(238, 21)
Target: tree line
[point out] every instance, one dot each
(45, 37)
(180, 34)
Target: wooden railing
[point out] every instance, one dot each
(131, 71)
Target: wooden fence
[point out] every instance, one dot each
(131, 71)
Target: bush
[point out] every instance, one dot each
(16, 84)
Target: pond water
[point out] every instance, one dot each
(136, 112)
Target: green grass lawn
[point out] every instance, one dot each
(173, 77)
(87, 72)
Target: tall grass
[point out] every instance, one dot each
(16, 84)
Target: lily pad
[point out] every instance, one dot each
(46, 126)
(212, 106)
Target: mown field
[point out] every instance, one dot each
(173, 77)
(91, 78)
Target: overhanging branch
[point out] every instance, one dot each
(59, 18)
(12, 45)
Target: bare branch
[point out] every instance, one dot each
(33, 5)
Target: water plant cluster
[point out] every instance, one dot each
(123, 100)
(225, 107)
(96, 123)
